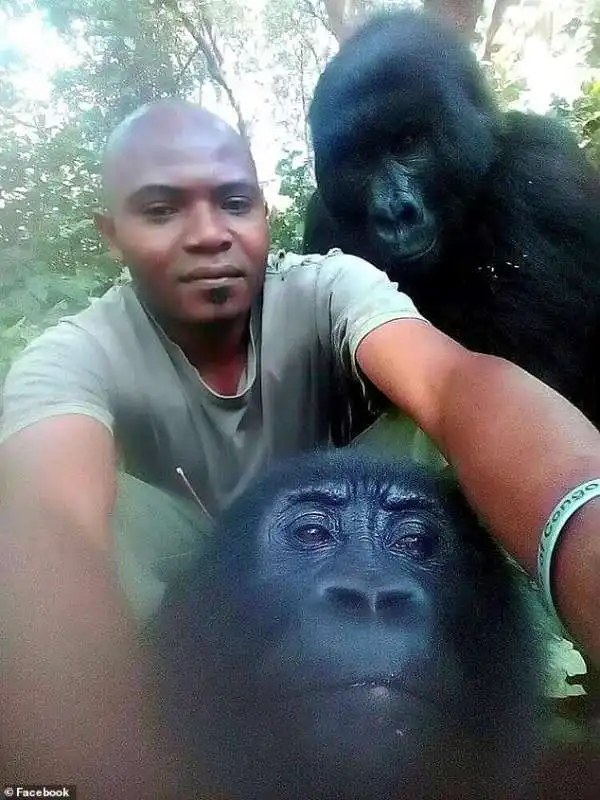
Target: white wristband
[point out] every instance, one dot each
(561, 514)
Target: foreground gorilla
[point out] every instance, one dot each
(356, 635)
(488, 220)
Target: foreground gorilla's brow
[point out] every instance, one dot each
(329, 492)
(390, 495)
(395, 498)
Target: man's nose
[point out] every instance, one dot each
(206, 229)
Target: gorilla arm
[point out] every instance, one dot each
(516, 445)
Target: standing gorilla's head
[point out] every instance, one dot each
(403, 129)
(355, 634)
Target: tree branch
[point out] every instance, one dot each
(311, 11)
(211, 55)
(500, 7)
(18, 121)
(183, 68)
(303, 98)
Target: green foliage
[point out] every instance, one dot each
(506, 88)
(39, 301)
(583, 116)
(297, 183)
(130, 58)
(52, 257)
(593, 56)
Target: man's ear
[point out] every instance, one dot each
(106, 226)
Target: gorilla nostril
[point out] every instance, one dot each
(386, 604)
(344, 599)
(390, 604)
(406, 213)
(409, 214)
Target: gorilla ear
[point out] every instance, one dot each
(106, 227)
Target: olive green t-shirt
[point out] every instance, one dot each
(114, 363)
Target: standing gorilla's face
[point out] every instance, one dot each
(403, 131)
(400, 201)
(357, 632)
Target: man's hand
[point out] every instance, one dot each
(75, 694)
(516, 445)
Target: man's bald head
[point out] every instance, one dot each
(185, 210)
(147, 137)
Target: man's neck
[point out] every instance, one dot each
(218, 351)
(212, 343)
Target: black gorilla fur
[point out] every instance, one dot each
(354, 635)
(489, 220)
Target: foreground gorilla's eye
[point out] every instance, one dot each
(415, 541)
(312, 535)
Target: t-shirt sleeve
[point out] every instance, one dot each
(62, 372)
(354, 298)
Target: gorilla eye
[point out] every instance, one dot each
(408, 141)
(312, 535)
(415, 541)
(311, 530)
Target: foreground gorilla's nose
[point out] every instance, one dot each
(386, 604)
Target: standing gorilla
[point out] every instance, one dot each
(488, 220)
(355, 635)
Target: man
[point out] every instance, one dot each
(189, 384)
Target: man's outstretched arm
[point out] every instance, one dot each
(516, 445)
(74, 690)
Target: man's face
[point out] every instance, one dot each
(189, 220)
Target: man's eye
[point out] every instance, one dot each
(238, 205)
(159, 212)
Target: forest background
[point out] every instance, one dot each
(70, 70)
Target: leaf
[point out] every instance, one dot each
(37, 286)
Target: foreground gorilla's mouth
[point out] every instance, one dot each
(378, 683)
(388, 683)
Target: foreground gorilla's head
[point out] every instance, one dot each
(404, 129)
(355, 634)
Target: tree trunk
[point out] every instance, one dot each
(500, 7)
(463, 13)
(336, 17)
